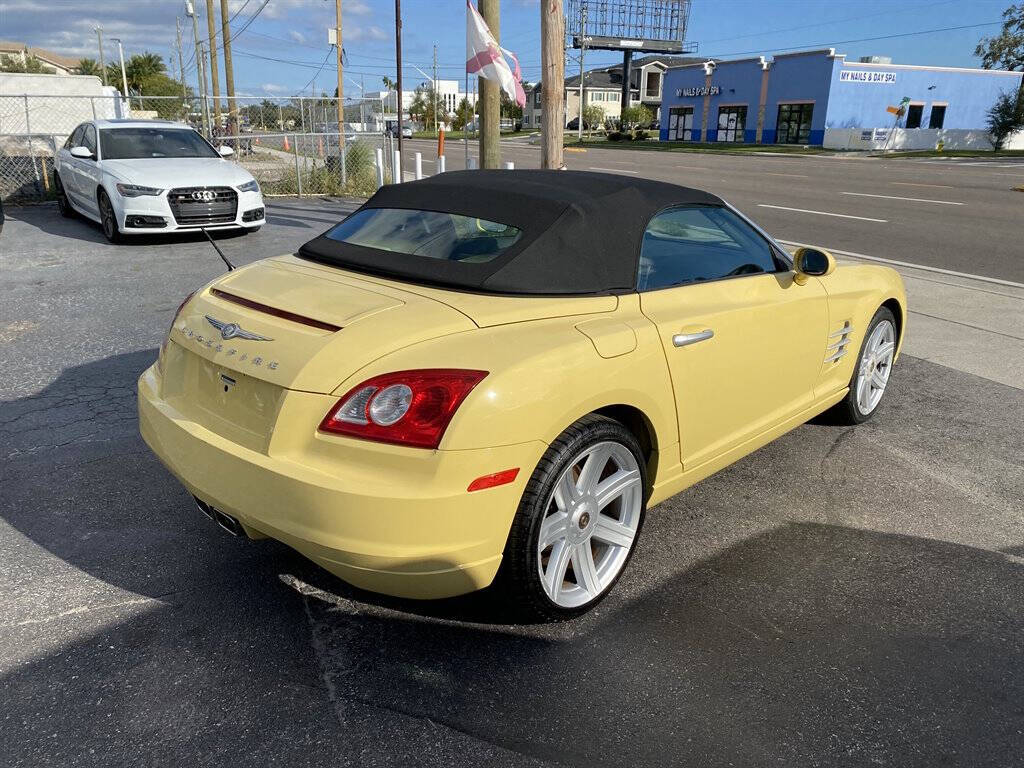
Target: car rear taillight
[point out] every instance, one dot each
(410, 408)
(163, 344)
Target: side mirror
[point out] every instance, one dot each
(82, 152)
(812, 262)
(225, 150)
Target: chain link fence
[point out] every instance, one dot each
(292, 146)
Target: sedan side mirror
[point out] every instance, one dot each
(225, 150)
(812, 262)
(83, 152)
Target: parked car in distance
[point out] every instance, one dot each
(406, 130)
(150, 176)
(492, 374)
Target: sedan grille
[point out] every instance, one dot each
(203, 205)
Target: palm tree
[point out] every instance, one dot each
(89, 67)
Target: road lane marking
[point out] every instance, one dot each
(909, 199)
(823, 213)
(793, 175)
(895, 263)
(612, 170)
(692, 168)
(916, 184)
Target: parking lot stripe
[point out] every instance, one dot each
(612, 170)
(823, 213)
(908, 199)
(918, 184)
(910, 265)
(792, 175)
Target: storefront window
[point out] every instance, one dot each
(914, 114)
(938, 116)
(680, 124)
(794, 123)
(731, 122)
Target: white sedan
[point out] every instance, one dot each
(150, 176)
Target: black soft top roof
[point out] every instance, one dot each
(581, 231)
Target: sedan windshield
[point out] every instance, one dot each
(431, 234)
(137, 143)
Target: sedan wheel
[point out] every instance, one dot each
(108, 220)
(577, 522)
(63, 204)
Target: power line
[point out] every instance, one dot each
(317, 73)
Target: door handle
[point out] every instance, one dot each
(684, 339)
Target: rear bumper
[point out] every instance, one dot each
(388, 519)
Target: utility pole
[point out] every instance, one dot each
(214, 74)
(398, 85)
(200, 68)
(583, 50)
(490, 94)
(181, 63)
(229, 73)
(552, 62)
(103, 66)
(124, 77)
(341, 97)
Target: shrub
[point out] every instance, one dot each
(615, 136)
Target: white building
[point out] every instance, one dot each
(449, 94)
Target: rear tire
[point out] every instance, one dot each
(108, 220)
(576, 526)
(871, 373)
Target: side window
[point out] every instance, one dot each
(75, 139)
(89, 138)
(696, 243)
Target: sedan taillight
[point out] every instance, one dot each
(410, 408)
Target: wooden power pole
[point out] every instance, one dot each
(552, 84)
(214, 74)
(490, 95)
(229, 72)
(341, 95)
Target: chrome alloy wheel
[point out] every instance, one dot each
(590, 522)
(107, 218)
(875, 366)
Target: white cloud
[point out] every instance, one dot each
(274, 88)
(297, 36)
(372, 32)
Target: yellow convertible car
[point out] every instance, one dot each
(489, 376)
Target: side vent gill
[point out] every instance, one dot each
(836, 349)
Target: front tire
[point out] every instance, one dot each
(63, 204)
(108, 220)
(578, 521)
(872, 372)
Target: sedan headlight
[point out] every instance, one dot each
(135, 190)
(250, 186)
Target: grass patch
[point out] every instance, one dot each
(453, 135)
(691, 146)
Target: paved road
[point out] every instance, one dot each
(958, 214)
(842, 597)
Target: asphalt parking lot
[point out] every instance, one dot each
(844, 596)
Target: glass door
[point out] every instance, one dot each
(680, 124)
(794, 123)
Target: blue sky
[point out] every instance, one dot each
(280, 51)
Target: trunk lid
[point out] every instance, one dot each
(274, 322)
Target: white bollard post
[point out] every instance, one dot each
(398, 168)
(380, 167)
(440, 164)
(419, 166)
(509, 165)
(472, 164)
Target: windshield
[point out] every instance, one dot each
(136, 143)
(431, 234)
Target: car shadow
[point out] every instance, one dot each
(170, 642)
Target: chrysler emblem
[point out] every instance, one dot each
(204, 195)
(234, 331)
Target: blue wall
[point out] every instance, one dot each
(816, 77)
(969, 93)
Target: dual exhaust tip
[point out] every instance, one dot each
(225, 521)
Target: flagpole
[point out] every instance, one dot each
(465, 127)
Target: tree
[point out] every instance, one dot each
(636, 116)
(424, 104)
(463, 115)
(89, 67)
(1007, 50)
(31, 65)
(1004, 118)
(593, 114)
(137, 70)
